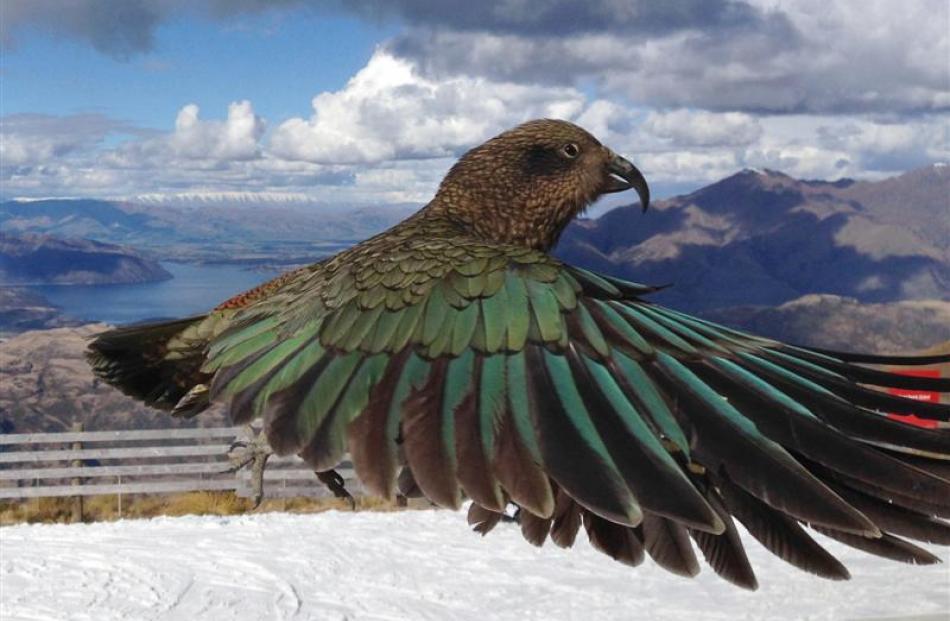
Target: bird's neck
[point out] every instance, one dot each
(507, 218)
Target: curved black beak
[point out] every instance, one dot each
(623, 176)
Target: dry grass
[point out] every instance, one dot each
(106, 508)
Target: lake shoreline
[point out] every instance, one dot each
(192, 290)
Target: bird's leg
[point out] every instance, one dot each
(336, 484)
(255, 452)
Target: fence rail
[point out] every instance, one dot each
(138, 452)
(124, 435)
(152, 487)
(144, 461)
(112, 471)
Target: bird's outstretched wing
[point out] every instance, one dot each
(506, 375)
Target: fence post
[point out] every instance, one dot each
(77, 481)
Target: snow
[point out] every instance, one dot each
(406, 565)
(223, 198)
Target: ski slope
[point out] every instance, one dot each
(406, 565)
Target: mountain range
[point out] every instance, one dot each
(764, 238)
(203, 228)
(43, 259)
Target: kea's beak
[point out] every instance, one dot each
(623, 176)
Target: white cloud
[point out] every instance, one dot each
(16, 150)
(388, 111)
(391, 132)
(236, 138)
(689, 166)
(793, 56)
(679, 147)
(699, 128)
(607, 119)
(31, 139)
(67, 156)
(798, 56)
(889, 146)
(807, 162)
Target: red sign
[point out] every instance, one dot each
(919, 395)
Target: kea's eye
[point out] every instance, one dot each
(570, 150)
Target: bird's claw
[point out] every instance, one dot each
(238, 456)
(255, 452)
(336, 484)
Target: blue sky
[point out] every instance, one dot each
(369, 102)
(277, 61)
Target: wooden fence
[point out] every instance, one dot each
(144, 461)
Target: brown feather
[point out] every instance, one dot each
(534, 529)
(422, 432)
(887, 546)
(372, 451)
(483, 520)
(929, 506)
(616, 541)
(406, 484)
(725, 553)
(280, 412)
(896, 519)
(567, 520)
(780, 534)
(668, 545)
(519, 475)
(474, 472)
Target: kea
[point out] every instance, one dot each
(454, 356)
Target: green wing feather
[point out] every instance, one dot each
(501, 373)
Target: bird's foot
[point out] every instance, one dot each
(253, 453)
(336, 484)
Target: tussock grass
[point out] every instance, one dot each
(106, 508)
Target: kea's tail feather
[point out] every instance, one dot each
(158, 363)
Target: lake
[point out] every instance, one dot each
(194, 289)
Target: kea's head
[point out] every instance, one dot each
(525, 185)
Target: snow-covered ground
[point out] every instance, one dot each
(408, 565)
